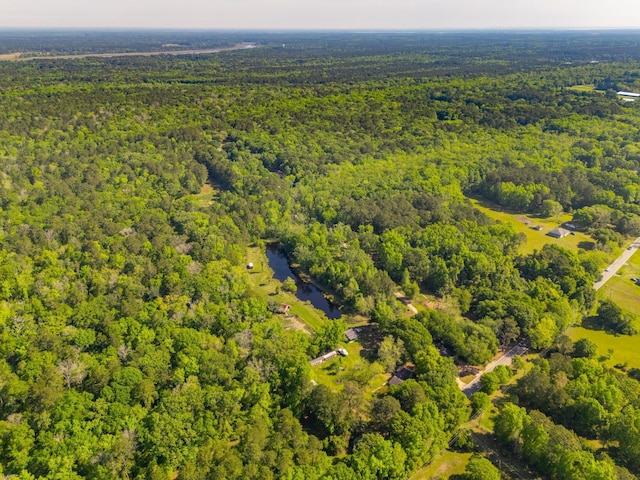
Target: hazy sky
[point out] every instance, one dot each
(321, 14)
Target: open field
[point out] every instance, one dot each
(625, 348)
(583, 88)
(10, 56)
(535, 239)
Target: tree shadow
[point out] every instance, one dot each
(587, 245)
(369, 337)
(591, 323)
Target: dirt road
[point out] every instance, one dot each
(20, 58)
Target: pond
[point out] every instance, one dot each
(306, 291)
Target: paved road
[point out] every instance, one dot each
(239, 46)
(617, 264)
(506, 359)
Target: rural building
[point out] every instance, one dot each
(400, 375)
(324, 358)
(629, 94)
(352, 334)
(284, 308)
(558, 232)
(536, 227)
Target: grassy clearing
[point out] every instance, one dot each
(446, 464)
(536, 239)
(10, 56)
(206, 196)
(336, 371)
(582, 88)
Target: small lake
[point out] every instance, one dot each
(306, 291)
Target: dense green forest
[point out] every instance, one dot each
(133, 341)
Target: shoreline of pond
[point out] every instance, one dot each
(307, 290)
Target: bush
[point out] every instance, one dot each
(479, 401)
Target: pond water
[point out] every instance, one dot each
(306, 291)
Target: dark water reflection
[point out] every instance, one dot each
(281, 271)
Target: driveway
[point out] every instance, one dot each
(506, 359)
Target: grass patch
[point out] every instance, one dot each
(535, 239)
(444, 465)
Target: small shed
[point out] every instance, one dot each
(250, 266)
(284, 308)
(351, 334)
(558, 232)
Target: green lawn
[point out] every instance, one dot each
(535, 239)
(334, 372)
(444, 465)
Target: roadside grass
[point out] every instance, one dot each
(444, 465)
(335, 372)
(536, 239)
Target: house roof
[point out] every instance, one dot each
(351, 334)
(559, 232)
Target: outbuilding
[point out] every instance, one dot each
(351, 334)
(558, 232)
